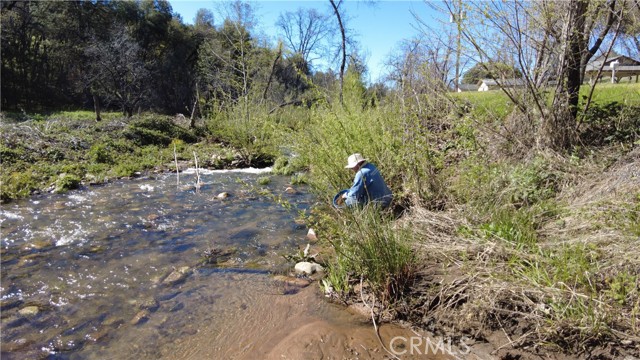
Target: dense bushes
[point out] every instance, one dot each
(157, 130)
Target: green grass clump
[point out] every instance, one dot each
(17, 184)
(487, 186)
(264, 180)
(299, 179)
(66, 182)
(372, 248)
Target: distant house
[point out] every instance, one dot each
(467, 87)
(491, 84)
(615, 66)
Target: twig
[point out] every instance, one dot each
(373, 319)
(511, 342)
(175, 158)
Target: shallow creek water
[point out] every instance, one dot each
(82, 275)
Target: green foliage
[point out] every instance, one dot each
(338, 277)
(157, 130)
(263, 180)
(371, 247)
(100, 153)
(492, 185)
(288, 166)
(611, 122)
(10, 156)
(493, 70)
(299, 179)
(516, 227)
(66, 182)
(17, 185)
(623, 287)
(570, 264)
(487, 105)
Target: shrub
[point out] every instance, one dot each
(10, 156)
(264, 180)
(101, 153)
(157, 130)
(17, 185)
(66, 182)
(299, 179)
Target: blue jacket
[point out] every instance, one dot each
(368, 185)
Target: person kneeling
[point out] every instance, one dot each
(368, 184)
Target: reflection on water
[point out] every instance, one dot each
(86, 274)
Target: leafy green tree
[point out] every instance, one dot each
(490, 70)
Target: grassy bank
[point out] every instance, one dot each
(61, 151)
(509, 244)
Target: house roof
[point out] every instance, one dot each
(596, 63)
(503, 82)
(467, 87)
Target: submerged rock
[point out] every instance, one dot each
(292, 281)
(113, 322)
(140, 317)
(305, 267)
(29, 311)
(98, 335)
(177, 276)
(16, 345)
(148, 304)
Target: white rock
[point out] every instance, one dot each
(311, 235)
(308, 268)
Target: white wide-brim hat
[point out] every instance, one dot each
(354, 160)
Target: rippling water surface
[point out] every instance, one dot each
(84, 274)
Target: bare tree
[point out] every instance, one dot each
(305, 32)
(545, 40)
(117, 72)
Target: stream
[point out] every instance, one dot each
(119, 271)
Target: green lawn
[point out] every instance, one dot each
(496, 103)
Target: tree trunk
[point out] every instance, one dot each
(96, 107)
(344, 47)
(192, 119)
(273, 70)
(557, 131)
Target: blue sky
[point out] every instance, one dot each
(379, 27)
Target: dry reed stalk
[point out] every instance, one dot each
(195, 156)
(175, 159)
